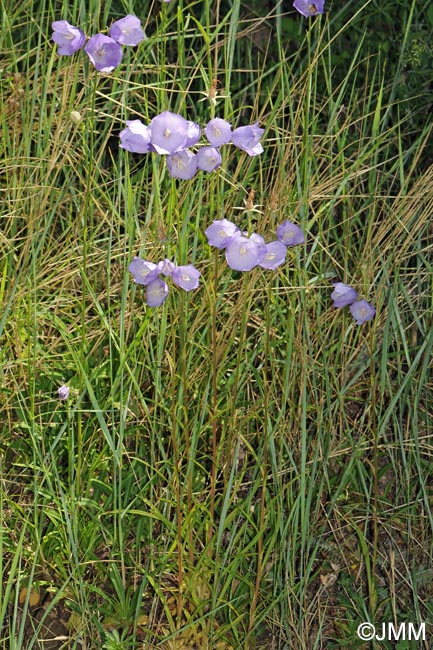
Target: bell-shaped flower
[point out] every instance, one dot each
(247, 138)
(166, 267)
(69, 39)
(308, 8)
(261, 246)
(63, 392)
(242, 253)
(103, 52)
(343, 295)
(362, 311)
(194, 134)
(290, 234)
(275, 255)
(220, 233)
(169, 132)
(182, 164)
(127, 31)
(218, 131)
(136, 137)
(208, 159)
(186, 277)
(142, 271)
(156, 292)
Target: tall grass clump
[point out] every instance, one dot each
(243, 466)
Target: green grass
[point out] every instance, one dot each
(243, 467)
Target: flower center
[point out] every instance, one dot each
(179, 163)
(312, 9)
(167, 133)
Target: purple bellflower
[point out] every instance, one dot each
(343, 295)
(247, 138)
(127, 31)
(221, 232)
(182, 164)
(362, 311)
(194, 133)
(218, 132)
(275, 255)
(169, 132)
(261, 250)
(186, 277)
(142, 271)
(208, 159)
(307, 8)
(166, 267)
(63, 392)
(290, 234)
(242, 253)
(136, 137)
(69, 39)
(103, 52)
(156, 292)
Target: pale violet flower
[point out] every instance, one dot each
(156, 292)
(127, 31)
(261, 246)
(166, 267)
(63, 392)
(220, 233)
(307, 8)
(142, 271)
(136, 137)
(169, 132)
(208, 159)
(218, 131)
(103, 52)
(242, 253)
(362, 311)
(69, 39)
(275, 255)
(193, 135)
(343, 295)
(182, 164)
(186, 277)
(247, 138)
(290, 234)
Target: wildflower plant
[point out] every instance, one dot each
(226, 409)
